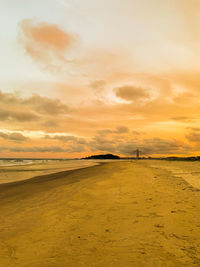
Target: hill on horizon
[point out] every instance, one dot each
(103, 156)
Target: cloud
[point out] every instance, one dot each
(20, 116)
(119, 144)
(104, 132)
(136, 133)
(196, 129)
(132, 93)
(66, 138)
(119, 130)
(164, 146)
(101, 143)
(193, 137)
(77, 149)
(155, 146)
(98, 88)
(98, 85)
(46, 105)
(149, 146)
(55, 149)
(103, 146)
(182, 118)
(45, 149)
(50, 123)
(46, 43)
(14, 107)
(3, 148)
(16, 137)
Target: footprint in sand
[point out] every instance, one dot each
(158, 225)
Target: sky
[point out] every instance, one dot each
(86, 77)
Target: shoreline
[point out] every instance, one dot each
(167, 166)
(10, 174)
(49, 175)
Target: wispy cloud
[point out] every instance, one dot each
(46, 43)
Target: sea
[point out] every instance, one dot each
(13, 170)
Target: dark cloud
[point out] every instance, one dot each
(46, 149)
(2, 148)
(196, 129)
(16, 137)
(163, 146)
(108, 144)
(21, 116)
(104, 132)
(46, 105)
(14, 107)
(182, 118)
(193, 137)
(55, 149)
(24, 116)
(136, 133)
(66, 138)
(147, 146)
(103, 147)
(4, 114)
(153, 146)
(101, 143)
(103, 140)
(119, 130)
(37, 103)
(77, 148)
(132, 93)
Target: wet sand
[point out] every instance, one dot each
(21, 172)
(116, 214)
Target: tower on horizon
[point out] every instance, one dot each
(137, 153)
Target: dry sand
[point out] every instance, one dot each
(116, 214)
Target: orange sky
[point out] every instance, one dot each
(82, 77)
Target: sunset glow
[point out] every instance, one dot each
(83, 77)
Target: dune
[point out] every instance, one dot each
(115, 214)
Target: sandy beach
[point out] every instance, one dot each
(19, 172)
(133, 213)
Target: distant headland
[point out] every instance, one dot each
(111, 156)
(104, 156)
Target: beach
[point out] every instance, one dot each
(120, 213)
(13, 171)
